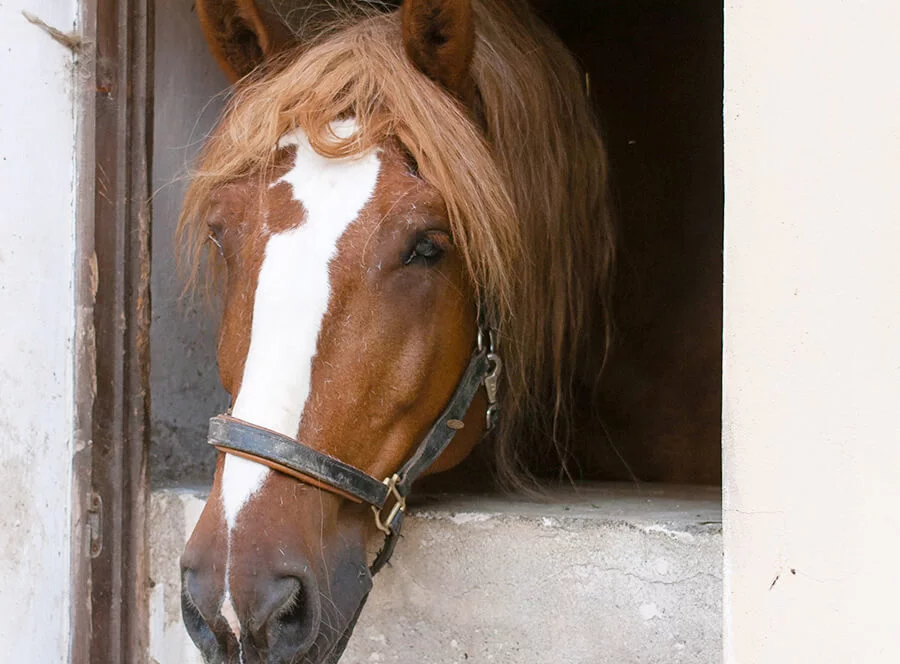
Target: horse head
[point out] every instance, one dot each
(372, 243)
(349, 320)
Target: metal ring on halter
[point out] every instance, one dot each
(491, 416)
(493, 337)
(387, 525)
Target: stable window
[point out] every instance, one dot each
(639, 562)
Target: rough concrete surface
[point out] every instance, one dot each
(608, 576)
(184, 379)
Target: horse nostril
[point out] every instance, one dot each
(293, 622)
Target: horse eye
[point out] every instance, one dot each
(424, 252)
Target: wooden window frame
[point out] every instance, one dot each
(114, 102)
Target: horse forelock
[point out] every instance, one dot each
(524, 187)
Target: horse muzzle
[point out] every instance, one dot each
(279, 615)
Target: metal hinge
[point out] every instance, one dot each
(95, 524)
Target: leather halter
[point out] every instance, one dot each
(290, 456)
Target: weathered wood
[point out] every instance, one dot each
(123, 104)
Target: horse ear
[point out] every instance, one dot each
(439, 38)
(241, 34)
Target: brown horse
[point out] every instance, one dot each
(381, 188)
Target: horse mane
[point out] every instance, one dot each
(524, 185)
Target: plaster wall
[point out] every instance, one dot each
(37, 224)
(605, 575)
(812, 321)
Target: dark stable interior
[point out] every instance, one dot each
(656, 79)
(655, 76)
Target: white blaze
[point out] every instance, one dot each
(290, 302)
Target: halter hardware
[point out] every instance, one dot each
(492, 379)
(386, 526)
(288, 455)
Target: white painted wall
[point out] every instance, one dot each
(812, 332)
(36, 330)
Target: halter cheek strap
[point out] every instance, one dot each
(289, 456)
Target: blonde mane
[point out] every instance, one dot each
(524, 186)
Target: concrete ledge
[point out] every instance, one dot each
(610, 575)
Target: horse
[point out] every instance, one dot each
(408, 207)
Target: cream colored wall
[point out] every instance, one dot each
(812, 332)
(37, 325)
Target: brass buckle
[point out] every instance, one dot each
(386, 525)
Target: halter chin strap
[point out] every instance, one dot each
(289, 456)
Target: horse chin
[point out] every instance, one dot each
(334, 655)
(350, 586)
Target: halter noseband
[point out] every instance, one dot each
(290, 456)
